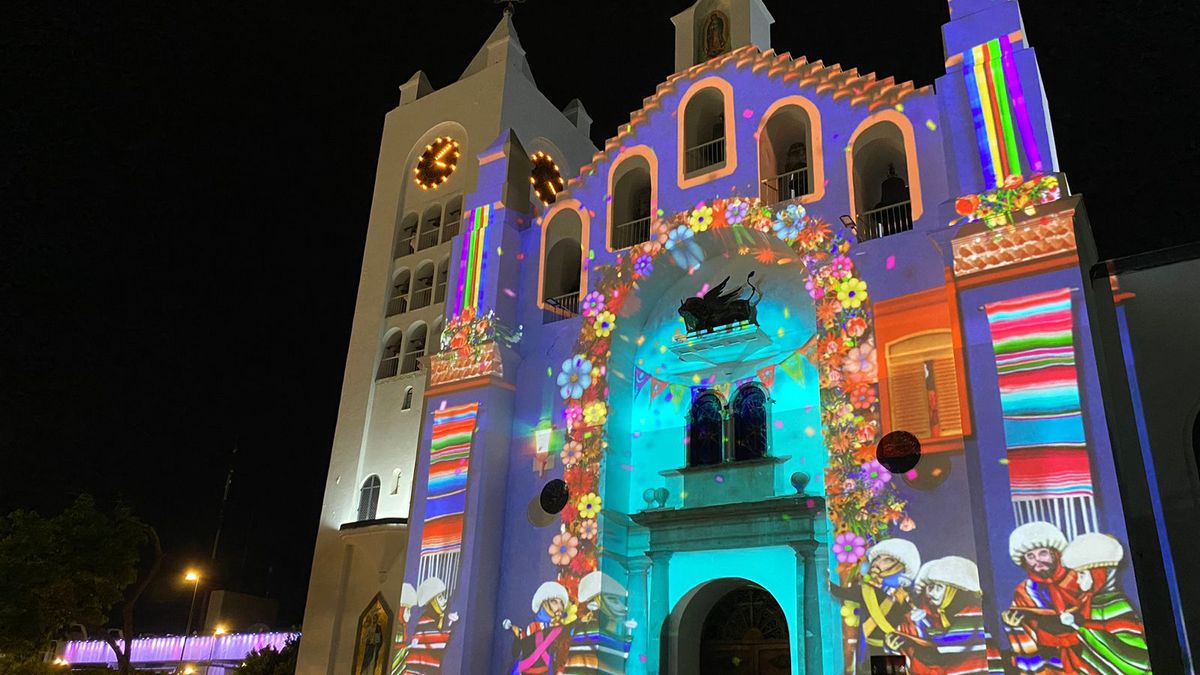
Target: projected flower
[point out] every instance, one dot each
(588, 529)
(576, 376)
(684, 250)
(852, 293)
(841, 267)
(849, 547)
(604, 324)
(589, 505)
(849, 615)
(787, 225)
(815, 290)
(677, 236)
(571, 452)
(863, 396)
(701, 218)
(876, 475)
(593, 304)
(643, 266)
(735, 211)
(563, 548)
(860, 364)
(595, 413)
(572, 414)
(856, 326)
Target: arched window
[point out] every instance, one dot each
(368, 498)
(398, 302)
(435, 336)
(453, 218)
(431, 228)
(632, 195)
(422, 293)
(389, 363)
(785, 155)
(704, 131)
(443, 277)
(750, 422)
(706, 430)
(406, 236)
(561, 269)
(408, 396)
(881, 195)
(414, 348)
(922, 384)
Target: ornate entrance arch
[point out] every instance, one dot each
(861, 503)
(745, 632)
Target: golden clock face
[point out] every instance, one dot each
(437, 163)
(546, 179)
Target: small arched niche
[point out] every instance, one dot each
(561, 266)
(422, 294)
(706, 430)
(632, 202)
(750, 412)
(406, 236)
(389, 361)
(398, 300)
(881, 194)
(704, 132)
(431, 228)
(414, 348)
(785, 155)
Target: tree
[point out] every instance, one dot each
(73, 568)
(268, 661)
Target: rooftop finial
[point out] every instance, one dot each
(509, 5)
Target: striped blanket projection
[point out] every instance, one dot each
(449, 456)
(1048, 463)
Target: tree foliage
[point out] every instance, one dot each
(268, 661)
(75, 567)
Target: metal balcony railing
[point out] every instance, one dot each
(885, 221)
(388, 367)
(405, 246)
(428, 239)
(704, 155)
(561, 307)
(412, 362)
(631, 233)
(450, 229)
(398, 304)
(439, 294)
(786, 186)
(421, 297)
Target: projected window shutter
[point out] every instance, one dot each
(945, 380)
(909, 399)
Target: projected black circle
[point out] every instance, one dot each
(898, 451)
(555, 495)
(933, 470)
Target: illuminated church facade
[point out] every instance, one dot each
(793, 375)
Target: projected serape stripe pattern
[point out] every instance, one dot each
(1048, 465)
(446, 500)
(998, 110)
(472, 261)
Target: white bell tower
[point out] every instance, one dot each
(711, 28)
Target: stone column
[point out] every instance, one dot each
(660, 607)
(809, 599)
(639, 592)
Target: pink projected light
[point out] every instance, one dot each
(202, 649)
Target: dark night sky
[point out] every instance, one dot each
(185, 191)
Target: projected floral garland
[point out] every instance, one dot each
(861, 502)
(996, 207)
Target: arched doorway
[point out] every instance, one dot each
(745, 633)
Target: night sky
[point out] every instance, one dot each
(185, 192)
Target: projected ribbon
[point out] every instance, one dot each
(472, 261)
(449, 457)
(1048, 463)
(997, 104)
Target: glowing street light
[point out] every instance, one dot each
(220, 630)
(191, 576)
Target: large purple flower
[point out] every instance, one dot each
(644, 265)
(849, 547)
(593, 304)
(876, 475)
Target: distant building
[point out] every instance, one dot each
(648, 409)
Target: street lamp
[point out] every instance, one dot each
(192, 577)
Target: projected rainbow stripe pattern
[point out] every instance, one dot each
(999, 112)
(472, 261)
(446, 500)
(1048, 464)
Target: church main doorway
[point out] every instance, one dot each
(745, 633)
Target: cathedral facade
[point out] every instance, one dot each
(794, 375)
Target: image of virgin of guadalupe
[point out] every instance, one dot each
(716, 35)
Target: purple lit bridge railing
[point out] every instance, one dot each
(205, 652)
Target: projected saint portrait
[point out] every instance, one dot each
(373, 626)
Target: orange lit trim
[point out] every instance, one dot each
(815, 140)
(585, 225)
(726, 89)
(646, 153)
(910, 153)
